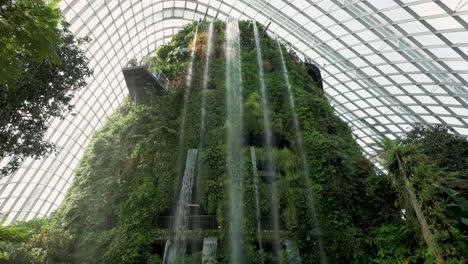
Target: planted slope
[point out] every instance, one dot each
(128, 178)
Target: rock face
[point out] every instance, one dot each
(314, 72)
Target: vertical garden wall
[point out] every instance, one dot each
(130, 174)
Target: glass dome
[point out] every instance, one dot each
(385, 66)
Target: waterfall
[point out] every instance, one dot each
(234, 142)
(210, 245)
(188, 84)
(268, 145)
(205, 83)
(302, 155)
(253, 158)
(166, 250)
(201, 143)
(292, 252)
(176, 246)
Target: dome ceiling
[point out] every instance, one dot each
(385, 65)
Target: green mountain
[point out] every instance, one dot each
(125, 191)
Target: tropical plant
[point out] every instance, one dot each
(49, 73)
(10, 235)
(419, 182)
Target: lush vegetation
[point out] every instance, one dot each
(41, 66)
(28, 28)
(130, 174)
(428, 170)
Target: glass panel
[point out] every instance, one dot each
(427, 9)
(134, 28)
(444, 23)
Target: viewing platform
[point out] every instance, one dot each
(143, 84)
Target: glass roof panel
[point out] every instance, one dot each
(398, 14)
(427, 9)
(444, 23)
(385, 62)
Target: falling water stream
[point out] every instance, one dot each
(176, 246)
(210, 245)
(234, 126)
(292, 252)
(201, 142)
(253, 158)
(268, 136)
(206, 76)
(188, 84)
(302, 155)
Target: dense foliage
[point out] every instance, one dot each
(29, 27)
(449, 151)
(130, 174)
(427, 171)
(41, 67)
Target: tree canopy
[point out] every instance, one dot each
(28, 28)
(428, 174)
(41, 66)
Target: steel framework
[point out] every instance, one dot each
(386, 64)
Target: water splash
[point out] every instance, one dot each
(210, 245)
(253, 158)
(234, 125)
(268, 136)
(176, 246)
(166, 250)
(292, 252)
(302, 155)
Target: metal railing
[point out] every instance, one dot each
(161, 78)
(158, 75)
